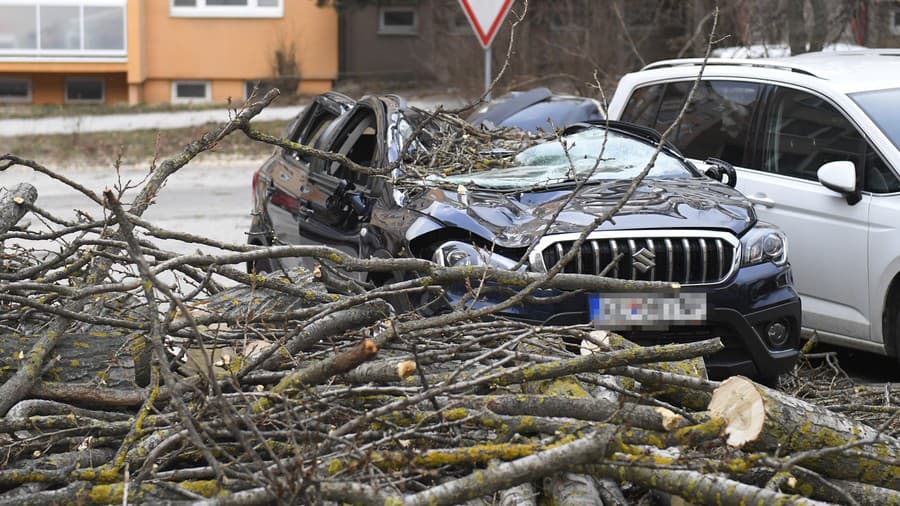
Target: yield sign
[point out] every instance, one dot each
(485, 17)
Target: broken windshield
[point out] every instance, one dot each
(623, 157)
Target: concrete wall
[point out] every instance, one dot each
(367, 53)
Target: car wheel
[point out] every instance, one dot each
(261, 266)
(895, 318)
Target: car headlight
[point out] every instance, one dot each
(763, 243)
(458, 254)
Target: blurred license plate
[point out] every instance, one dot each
(620, 310)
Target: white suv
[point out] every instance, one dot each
(815, 140)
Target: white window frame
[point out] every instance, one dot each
(102, 99)
(393, 30)
(191, 100)
(251, 10)
(17, 100)
(81, 54)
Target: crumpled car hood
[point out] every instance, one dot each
(517, 219)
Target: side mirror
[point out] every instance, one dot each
(719, 169)
(840, 177)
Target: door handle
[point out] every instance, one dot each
(761, 199)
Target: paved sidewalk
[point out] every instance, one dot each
(156, 120)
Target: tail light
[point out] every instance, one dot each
(255, 183)
(285, 201)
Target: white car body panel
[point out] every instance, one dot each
(844, 258)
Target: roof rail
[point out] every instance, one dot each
(762, 63)
(869, 51)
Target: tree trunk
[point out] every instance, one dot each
(84, 357)
(12, 205)
(763, 419)
(796, 26)
(820, 25)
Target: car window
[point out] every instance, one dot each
(804, 131)
(716, 124)
(358, 142)
(310, 136)
(879, 178)
(643, 105)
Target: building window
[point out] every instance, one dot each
(85, 91)
(459, 23)
(191, 91)
(63, 29)
(261, 87)
(398, 21)
(15, 89)
(226, 8)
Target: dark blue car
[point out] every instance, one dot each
(680, 226)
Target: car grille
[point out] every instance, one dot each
(680, 259)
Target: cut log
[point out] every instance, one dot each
(13, 205)
(700, 488)
(688, 397)
(763, 419)
(522, 494)
(636, 415)
(570, 489)
(101, 357)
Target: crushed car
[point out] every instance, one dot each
(536, 110)
(521, 205)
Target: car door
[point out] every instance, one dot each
(336, 198)
(290, 171)
(777, 138)
(828, 237)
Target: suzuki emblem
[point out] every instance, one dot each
(643, 260)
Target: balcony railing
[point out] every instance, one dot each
(63, 29)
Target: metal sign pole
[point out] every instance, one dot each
(487, 73)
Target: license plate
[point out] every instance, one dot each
(622, 310)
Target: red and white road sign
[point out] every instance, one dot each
(485, 17)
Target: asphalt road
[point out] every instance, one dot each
(215, 201)
(202, 199)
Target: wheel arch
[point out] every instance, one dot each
(889, 324)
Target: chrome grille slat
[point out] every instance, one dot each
(614, 247)
(631, 250)
(720, 252)
(681, 256)
(703, 260)
(670, 258)
(578, 260)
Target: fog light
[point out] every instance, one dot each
(777, 333)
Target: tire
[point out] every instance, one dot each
(895, 319)
(261, 266)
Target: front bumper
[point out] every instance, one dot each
(738, 311)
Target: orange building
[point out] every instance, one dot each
(156, 51)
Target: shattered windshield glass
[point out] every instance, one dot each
(622, 157)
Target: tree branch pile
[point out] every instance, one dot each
(133, 373)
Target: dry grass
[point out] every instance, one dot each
(132, 147)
